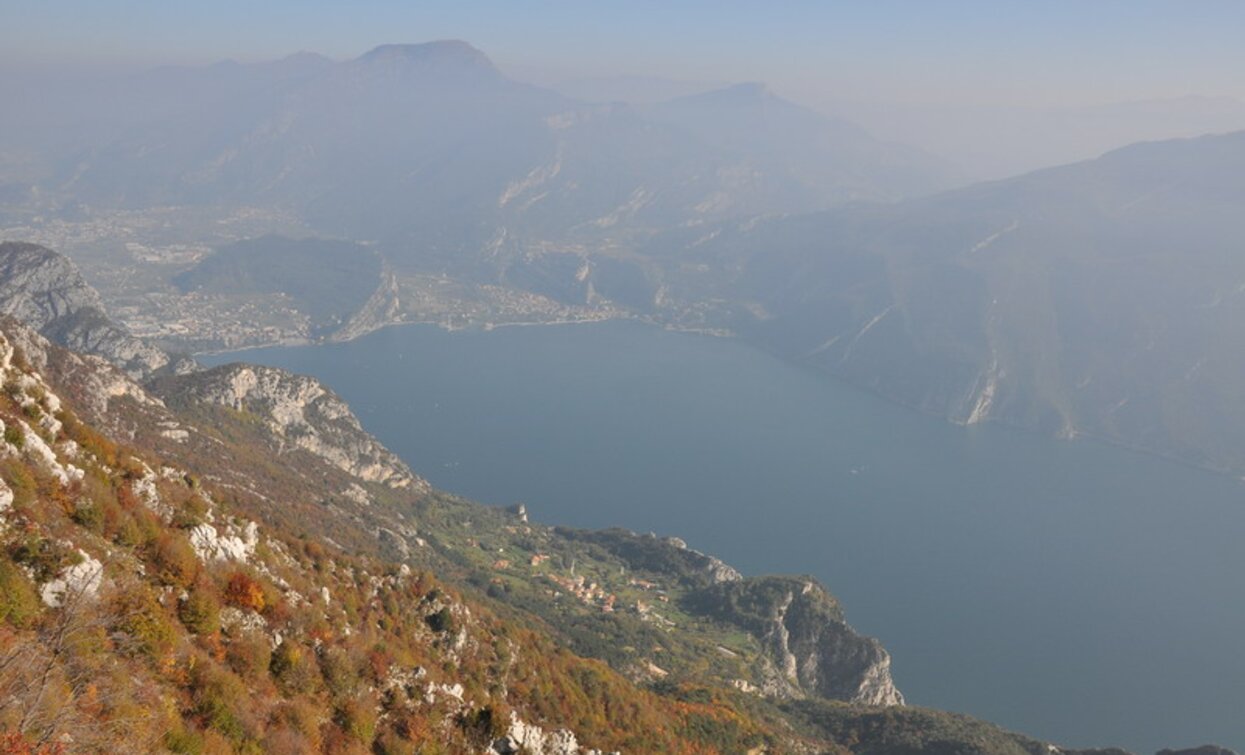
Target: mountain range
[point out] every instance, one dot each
(1098, 298)
(434, 152)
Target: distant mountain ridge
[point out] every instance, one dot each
(1100, 298)
(445, 55)
(424, 147)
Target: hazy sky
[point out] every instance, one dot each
(998, 51)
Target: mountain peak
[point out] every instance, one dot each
(748, 89)
(440, 53)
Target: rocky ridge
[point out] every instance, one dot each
(299, 411)
(46, 291)
(807, 649)
(814, 651)
(89, 573)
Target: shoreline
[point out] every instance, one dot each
(481, 327)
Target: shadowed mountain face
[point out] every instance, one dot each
(1103, 297)
(430, 148)
(327, 280)
(46, 291)
(828, 159)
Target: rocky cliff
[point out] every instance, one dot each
(139, 612)
(46, 291)
(805, 646)
(299, 411)
(810, 649)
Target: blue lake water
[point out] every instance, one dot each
(1074, 591)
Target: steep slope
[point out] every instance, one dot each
(1098, 298)
(142, 611)
(294, 417)
(804, 631)
(299, 411)
(45, 290)
(170, 585)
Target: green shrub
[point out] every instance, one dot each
(441, 621)
(200, 611)
(89, 515)
(20, 480)
(184, 741)
(294, 668)
(220, 699)
(341, 673)
(138, 615)
(90, 440)
(357, 717)
(19, 603)
(249, 655)
(484, 725)
(173, 560)
(14, 435)
(44, 556)
(191, 513)
(128, 532)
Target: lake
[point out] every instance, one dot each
(1073, 591)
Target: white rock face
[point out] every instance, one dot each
(235, 621)
(876, 686)
(357, 494)
(46, 291)
(147, 492)
(37, 449)
(531, 739)
(210, 545)
(96, 382)
(6, 493)
(81, 579)
(175, 433)
(303, 414)
(454, 691)
(826, 658)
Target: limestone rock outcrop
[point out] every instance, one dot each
(299, 411)
(46, 291)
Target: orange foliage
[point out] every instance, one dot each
(13, 743)
(244, 592)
